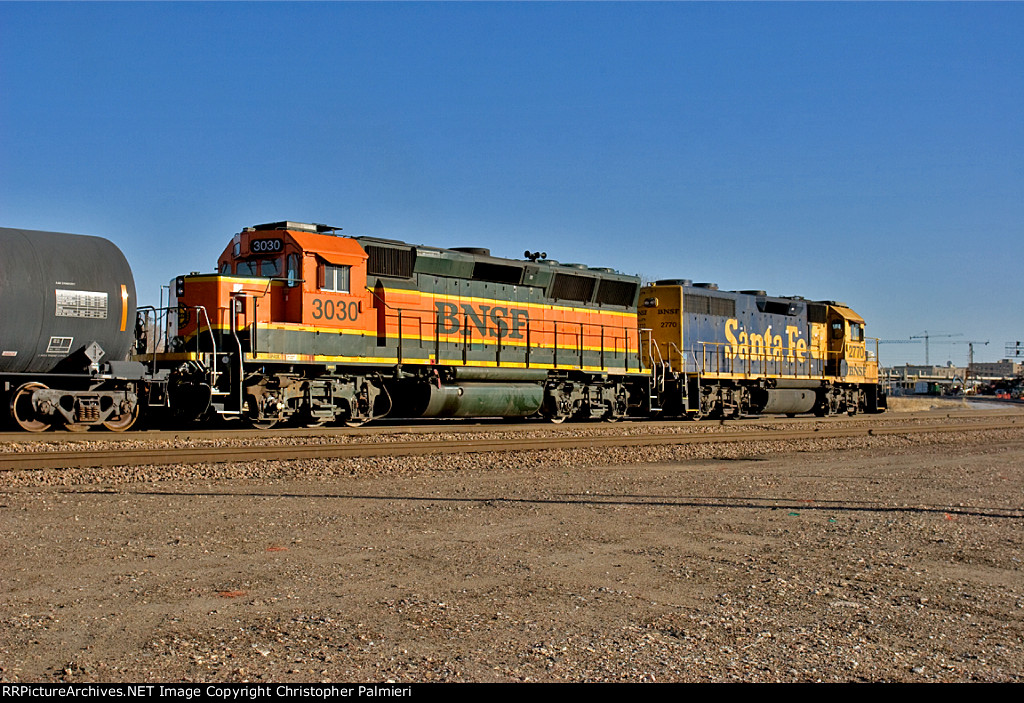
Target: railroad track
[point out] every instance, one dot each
(142, 456)
(436, 426)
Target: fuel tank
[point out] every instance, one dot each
(468, 400)
(790, 401)
(65, 300)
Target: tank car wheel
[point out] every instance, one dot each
(358, 422)
(120, 423)
(76, 427)
(557, 419)
(21, 409)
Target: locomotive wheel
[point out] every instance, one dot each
(611, 416)
(307, 419)
(262, 424)
(22, 411)
(253, 418)
(120, 423)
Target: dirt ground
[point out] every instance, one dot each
(885, 559)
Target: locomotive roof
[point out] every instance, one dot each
(761, 296)
(319, 237)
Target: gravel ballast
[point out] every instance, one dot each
(886, 558)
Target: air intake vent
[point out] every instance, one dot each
(497, 273)
(774, 307)
(706, 305)
(816, 313)
(611, 292)
(385, 261)
(570, 287)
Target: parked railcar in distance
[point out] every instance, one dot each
(301, 324)
(727, 353)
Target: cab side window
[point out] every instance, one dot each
(293, 270)
(335, 278)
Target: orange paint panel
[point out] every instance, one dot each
(542, 325)
(124, 307)
(263, 298)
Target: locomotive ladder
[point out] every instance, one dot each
(658, 372)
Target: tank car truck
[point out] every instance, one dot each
(726, 354)
(67, 326)
(303, 325)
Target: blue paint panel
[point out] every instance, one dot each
(736, 344)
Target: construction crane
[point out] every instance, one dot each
(1014, 350)
(970, 346)
(926, 336)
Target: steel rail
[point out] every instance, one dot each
(470, 426)
(203, 455)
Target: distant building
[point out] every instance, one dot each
(1007, 368)
(910, 379)
(936, 372)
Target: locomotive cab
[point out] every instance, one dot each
(289, 301)
(276, 285)
(847, 358)
(323, 279)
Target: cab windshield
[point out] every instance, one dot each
(264, 268)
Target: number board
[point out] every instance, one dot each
(266, 246)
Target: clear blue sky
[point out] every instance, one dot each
(871, 153)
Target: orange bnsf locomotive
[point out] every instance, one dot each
(304, 326)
